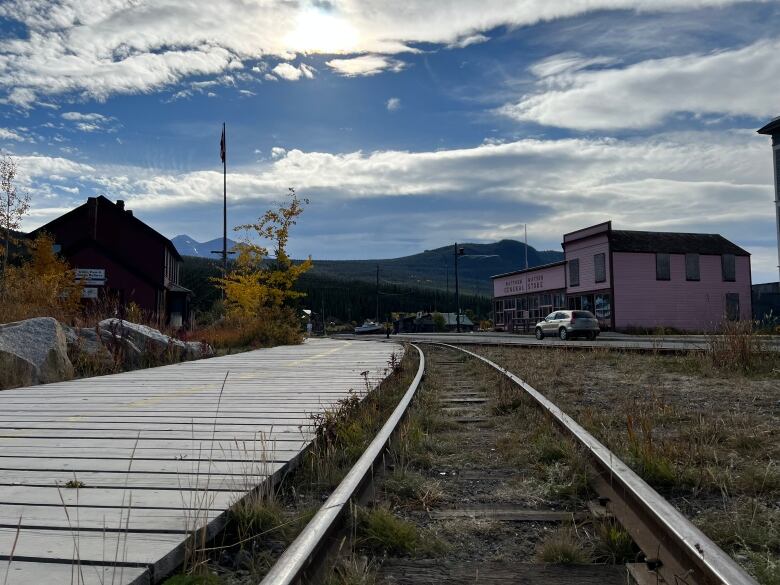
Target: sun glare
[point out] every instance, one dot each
(319, 32)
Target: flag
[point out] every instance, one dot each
(222, 145)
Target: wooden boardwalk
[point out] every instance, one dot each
(155, 453)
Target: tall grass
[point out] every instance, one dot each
(736, 348)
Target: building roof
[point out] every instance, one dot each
(117, 208)
(177, 288)
(531, 269)
(772, 127)
(672, 243)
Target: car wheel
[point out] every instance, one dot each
(539, 333)
(563, 334)
(591, 335)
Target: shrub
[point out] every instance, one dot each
(272, 326)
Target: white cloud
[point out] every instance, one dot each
(97, 49)
(365, 65)
(91, 122)
(566, 63)
(293, 73)
(393, 104)
(6, 134)
(468, 40)
(80, 117)
(277, 152)
(745, 82)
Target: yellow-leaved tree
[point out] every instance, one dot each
(43, 286)
(263, 279)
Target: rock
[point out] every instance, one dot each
(153, 346)
(33, 351)
(195, 350)
(90, 350)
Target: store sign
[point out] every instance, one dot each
(530, 282)
(91, 276)
(89, 292)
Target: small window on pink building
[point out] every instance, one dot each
(574, 272)
(728, 268)
(599, 267)
(662, 267)
(692, 267)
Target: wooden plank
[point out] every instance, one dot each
(41, 544)
(182, 466)
(25, 573)
(412, 572)
(113, 498)
(506, 513)
(291, 435)
(112, 519)
(121, 480)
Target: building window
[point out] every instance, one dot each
(574, 272)
(603, 307)
(662, 268)
(732, 306)
(692, 267)
(599, 263)
(728, 268)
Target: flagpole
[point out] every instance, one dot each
(224, 209)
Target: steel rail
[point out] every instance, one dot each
(296, 558)
(681, 552)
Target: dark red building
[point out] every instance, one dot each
(120, 257)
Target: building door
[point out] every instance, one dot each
(732, 306)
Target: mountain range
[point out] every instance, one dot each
(186, 246)
(428, 269)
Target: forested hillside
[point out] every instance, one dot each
(344, 299)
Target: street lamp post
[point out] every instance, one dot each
(458, 252)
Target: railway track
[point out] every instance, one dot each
(491, 500)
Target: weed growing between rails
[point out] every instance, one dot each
(707, 438)
(262, 525)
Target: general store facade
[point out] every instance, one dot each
(632, 280)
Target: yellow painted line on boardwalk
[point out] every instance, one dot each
(175, 394)
(320, 355)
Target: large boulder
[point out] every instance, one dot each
(33, 351)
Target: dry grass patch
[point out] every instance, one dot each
(702, 430)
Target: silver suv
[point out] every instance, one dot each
(566, 324)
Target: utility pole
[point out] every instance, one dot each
(773, 129)
(324, 327)
(458, 252)
(525, 227)
(377, 294)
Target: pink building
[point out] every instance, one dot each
(632, 280)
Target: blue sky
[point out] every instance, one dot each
(408, 125)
